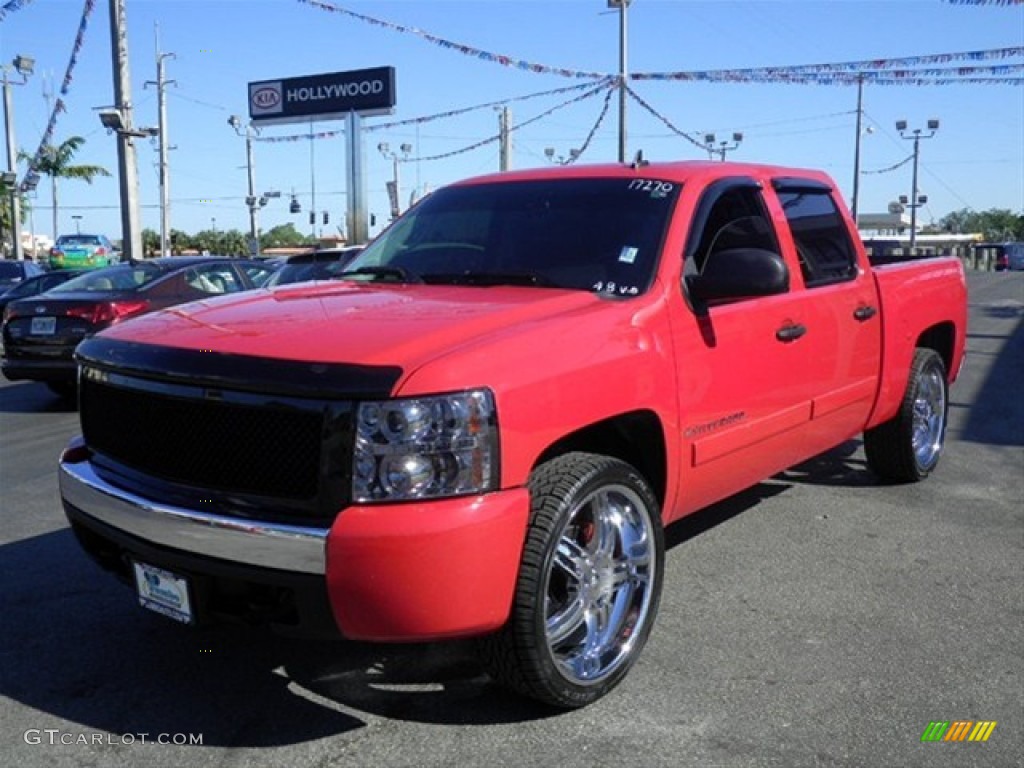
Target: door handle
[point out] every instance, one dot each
(864, 312)
(790, 332)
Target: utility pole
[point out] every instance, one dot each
(127, 165)
(165, 181)
(916, 200)
(622, 5)
(505, 151)
(251, 200)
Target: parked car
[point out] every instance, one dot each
(40, 334)
(35, 285)
(83, 251)
(321, 264)
(1015, 256)
(1005, 256)
(14, 272)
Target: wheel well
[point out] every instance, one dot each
(941, 338)
(635, 438)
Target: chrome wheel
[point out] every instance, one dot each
(929, 419)
(907, 447)
(598, 588)
(589, 582)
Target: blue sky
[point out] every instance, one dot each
(975, 160)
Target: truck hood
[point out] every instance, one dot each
(347, 322)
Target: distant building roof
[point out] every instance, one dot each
(883, 222)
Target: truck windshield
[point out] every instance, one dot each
(597, 234)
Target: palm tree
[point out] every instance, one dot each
(55, 162)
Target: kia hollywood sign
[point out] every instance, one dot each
(323, 97)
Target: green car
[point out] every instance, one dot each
(83, 252)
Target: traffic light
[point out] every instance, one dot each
(326, 218)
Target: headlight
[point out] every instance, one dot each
(425, 447)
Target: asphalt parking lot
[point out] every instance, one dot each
(817, 619)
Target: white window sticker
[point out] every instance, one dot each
(658, 189)
(628, 254)
(614, 288)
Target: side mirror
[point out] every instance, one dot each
(740, 273)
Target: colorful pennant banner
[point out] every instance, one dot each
(900, 164)
(431, 118)
(574, 156)
(588, 94)
(985, 2)
(467, 50)
(58, 106)
(756, 74)
(668, 124)
(11, 7)
(907, 66)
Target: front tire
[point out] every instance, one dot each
(589, 582)
(908, 446)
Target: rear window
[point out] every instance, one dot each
(819, 232)
(297, 273)
(124, 278)
(78, 240)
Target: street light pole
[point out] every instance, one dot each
(25, 66)
(622, 5)
(312, 182)
(161, 84)
(915, 136)
(720, 148)
(856, 147)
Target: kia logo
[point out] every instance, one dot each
(266, 98)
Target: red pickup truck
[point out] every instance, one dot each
(482, 428)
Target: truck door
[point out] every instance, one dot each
(748, 376)
(839, 307)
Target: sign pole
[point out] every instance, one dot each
(357, 219)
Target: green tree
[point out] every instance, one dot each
(283, 236)
(232, 243)
(150, 242)
(6, 243)
(56, 162)
(205, 240)
(180, 241)
(995, 224)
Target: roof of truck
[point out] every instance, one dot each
(680, 171)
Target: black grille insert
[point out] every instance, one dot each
(270, 449)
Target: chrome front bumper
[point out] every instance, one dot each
(266, 545)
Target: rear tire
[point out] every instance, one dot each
(589, 583)
(908, 446)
